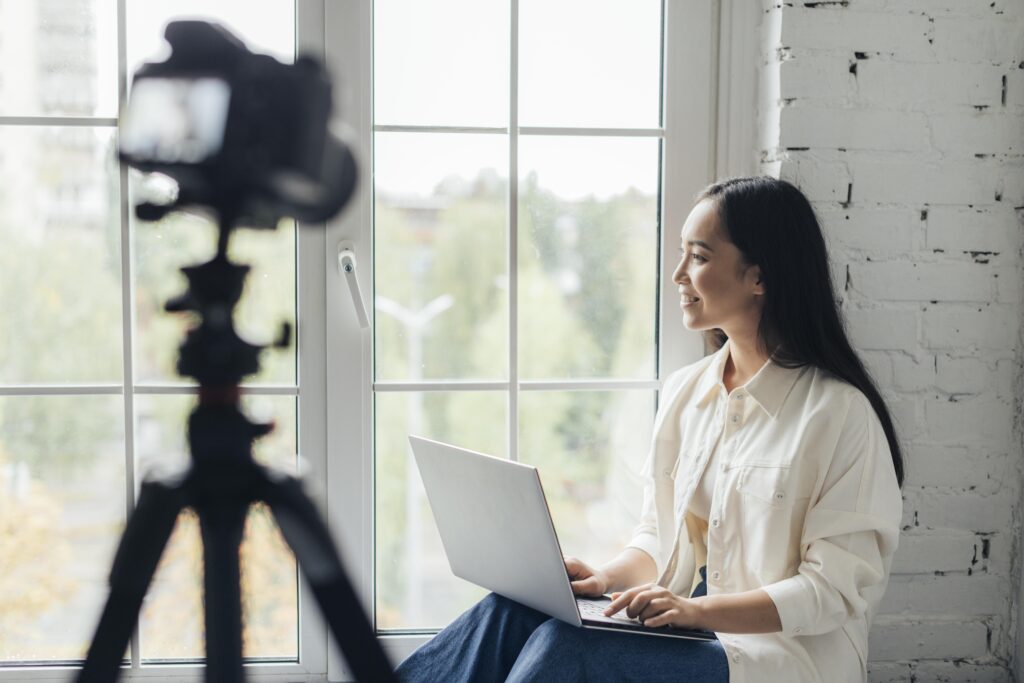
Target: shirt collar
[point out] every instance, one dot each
(768, 387)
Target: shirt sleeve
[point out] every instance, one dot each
(645, 535)
(849, 534)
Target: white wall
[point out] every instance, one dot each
(903, 121)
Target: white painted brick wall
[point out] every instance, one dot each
(903, 122)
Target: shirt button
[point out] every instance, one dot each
(735, 656)
(715, 575)
(798, 630)
(735, 418)
(779, 495)
(739, 397)
(715, 522)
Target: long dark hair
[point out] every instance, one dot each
(773, 225)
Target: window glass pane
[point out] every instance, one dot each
(269, 30)
(58, 58)
(443, 62)
(589, 448)
(62, 508)
(440, 256)
(588, 266)
(180, 239)
(171, 623)
(415, 586)
(594, 63)
(60, 265)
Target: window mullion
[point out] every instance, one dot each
(592, 132)
(392, 128)
(513, 234)
(687, 157)
(127, 305)
(63, 121)
(349, 478)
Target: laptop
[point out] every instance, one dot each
(497, 532)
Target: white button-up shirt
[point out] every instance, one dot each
(805, 506)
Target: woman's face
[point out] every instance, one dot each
(716, 288)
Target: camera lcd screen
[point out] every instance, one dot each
(175, 120)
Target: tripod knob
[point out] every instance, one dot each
(149, 212)
(284, 337)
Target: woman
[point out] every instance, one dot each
(772, 490)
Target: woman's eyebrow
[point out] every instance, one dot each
(700, 243)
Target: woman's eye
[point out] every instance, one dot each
(698, 257)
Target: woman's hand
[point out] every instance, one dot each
(657, 606)
(584, 579)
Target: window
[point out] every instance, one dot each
(89, 397)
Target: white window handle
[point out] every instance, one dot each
(347, 267)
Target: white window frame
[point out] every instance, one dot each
(310, 391)
(710, 56)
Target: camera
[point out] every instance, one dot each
(237, 131)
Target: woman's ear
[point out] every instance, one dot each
(758, 282)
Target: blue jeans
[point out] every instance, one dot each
(501, 640)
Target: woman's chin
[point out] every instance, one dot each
(692, 321)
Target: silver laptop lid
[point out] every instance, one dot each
(495, 526)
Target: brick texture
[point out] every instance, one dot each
(903, 122)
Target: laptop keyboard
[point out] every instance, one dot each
(593, 610)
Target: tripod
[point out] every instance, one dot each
(220, 484)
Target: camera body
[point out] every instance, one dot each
(239, 132)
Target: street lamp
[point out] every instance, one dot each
(415, 324)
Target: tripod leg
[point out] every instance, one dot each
(315, 553)
(140, 549)
(221, 524)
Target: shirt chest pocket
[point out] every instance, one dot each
(772, 485)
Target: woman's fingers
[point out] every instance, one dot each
(621, 600)
(642, 600)
(668, 617)
(586, 587)
(583, 578)
(577, 569)
(651, 604)
(637, 599)
(655, 607)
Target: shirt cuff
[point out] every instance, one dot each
(793, 598)
(649, 544)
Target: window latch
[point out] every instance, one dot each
(347, 267)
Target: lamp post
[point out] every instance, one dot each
(415, 324)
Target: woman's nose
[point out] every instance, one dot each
(680, 275)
